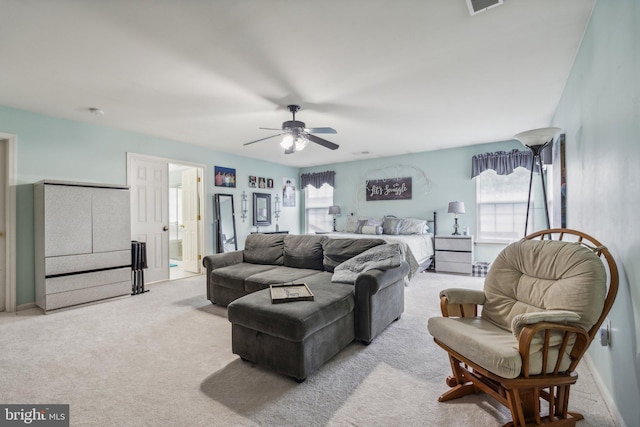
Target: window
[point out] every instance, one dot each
(502, 205)
(317, 202)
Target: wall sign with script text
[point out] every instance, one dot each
(389, 189)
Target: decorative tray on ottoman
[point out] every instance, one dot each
(290, 292)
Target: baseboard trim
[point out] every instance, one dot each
(26, 306)
(608, 400)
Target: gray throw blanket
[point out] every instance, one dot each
(383, 257)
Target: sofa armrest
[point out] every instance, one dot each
(379, 297)
(459, 302)
(371, 281)
(211, 262)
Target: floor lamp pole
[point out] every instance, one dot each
(536, 151)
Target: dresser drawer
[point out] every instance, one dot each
(74, 282)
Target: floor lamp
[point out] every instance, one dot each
(536, 140)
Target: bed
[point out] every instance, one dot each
(418, 247)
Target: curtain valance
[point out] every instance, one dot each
(317, 179)
(501, 161)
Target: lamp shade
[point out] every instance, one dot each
(334, 210)
(534, 137)
(456, 207)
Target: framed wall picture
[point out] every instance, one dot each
(269, 183)
(225, 177)
(262, 182)
(253, 181)
(288, 192)
(261, 209)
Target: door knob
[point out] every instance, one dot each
(165, 228)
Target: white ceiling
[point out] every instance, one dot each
(392, 77)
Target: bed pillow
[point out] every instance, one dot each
(375, 221)
(371, 229)
(391, 225)
(412, 226)
(351, 226)
(361, 223)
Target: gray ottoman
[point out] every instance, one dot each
(293, 338)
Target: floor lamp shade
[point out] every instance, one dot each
(537, 140)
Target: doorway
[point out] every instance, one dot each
(8, 180)
(167, 208)
(184, 214)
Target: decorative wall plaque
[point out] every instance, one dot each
(389, 189)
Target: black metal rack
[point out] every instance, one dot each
(138, 264)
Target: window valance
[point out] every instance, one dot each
(501, 161)
(317, 179)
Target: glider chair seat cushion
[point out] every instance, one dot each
(541, 305)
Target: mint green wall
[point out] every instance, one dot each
(448, 172)
(51, 148)
(600, 111)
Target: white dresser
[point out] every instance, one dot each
(82, 242)
(454, 254)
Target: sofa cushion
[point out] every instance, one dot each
(264, 249)
(538, 275)
(276, 275)
(233, 276)
(293, 321)
(336, 251)
(303, 251)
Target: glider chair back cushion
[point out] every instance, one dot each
(539, 275)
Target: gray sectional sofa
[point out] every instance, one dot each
(296, 338)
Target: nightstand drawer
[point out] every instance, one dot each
(453, 267)
(446, 256)
(454, 244)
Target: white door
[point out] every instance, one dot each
(149, 182)
(3, 241)
(190, 220)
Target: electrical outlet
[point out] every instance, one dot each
(605, 333)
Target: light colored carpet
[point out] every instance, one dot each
(164, 358)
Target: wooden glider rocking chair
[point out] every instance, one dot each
(542, 304)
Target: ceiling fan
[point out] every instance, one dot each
(297, 136)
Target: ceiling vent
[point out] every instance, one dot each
(477, 6)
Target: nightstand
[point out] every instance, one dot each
(454, 254)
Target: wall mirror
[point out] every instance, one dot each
(261, 209)
(226, 223)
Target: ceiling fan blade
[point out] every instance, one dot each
(290, 150)
(271, 128)
(321, 130)
(262, 139)
(328, 144)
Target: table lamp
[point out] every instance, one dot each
(456, 208)
(334, 210)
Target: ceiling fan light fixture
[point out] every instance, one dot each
(287, 142)
(301, 143)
